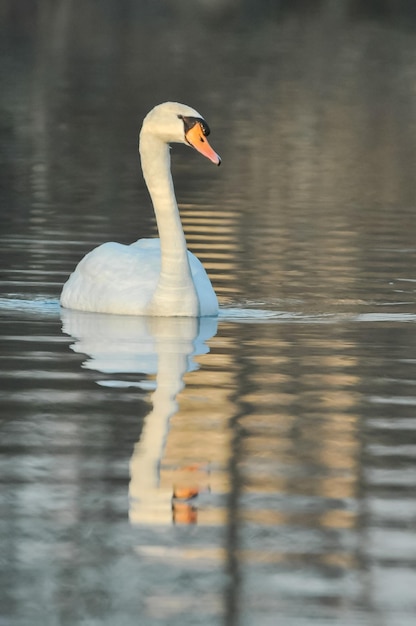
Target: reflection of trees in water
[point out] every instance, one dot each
(314, 465)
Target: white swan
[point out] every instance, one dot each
(158, 277)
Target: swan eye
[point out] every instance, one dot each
(189, 122)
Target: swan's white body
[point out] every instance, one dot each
(115, 278)
(157, 277)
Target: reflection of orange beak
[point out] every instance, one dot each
(185, 493)
(196, 138)
(184, 513)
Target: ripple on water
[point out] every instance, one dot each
(41, 306)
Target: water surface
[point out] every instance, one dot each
(255, 469)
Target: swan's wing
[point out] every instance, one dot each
(114, 278)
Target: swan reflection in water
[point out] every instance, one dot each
(164, 347)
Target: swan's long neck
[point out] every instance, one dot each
(175, 293)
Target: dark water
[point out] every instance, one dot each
(291, 419)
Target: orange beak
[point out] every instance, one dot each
(196, 138)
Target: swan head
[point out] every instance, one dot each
(173, 122)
